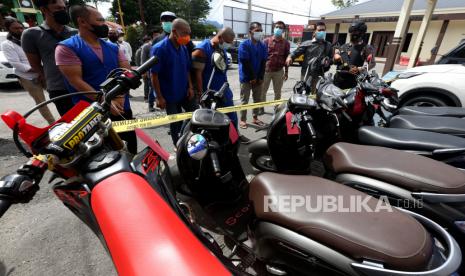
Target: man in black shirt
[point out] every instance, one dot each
(351, 57)
(317, 47)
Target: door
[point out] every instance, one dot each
(381, 41)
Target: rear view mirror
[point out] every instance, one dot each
(219, 61)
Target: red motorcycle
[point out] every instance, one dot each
(125, 200)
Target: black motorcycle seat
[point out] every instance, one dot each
(413, 172)
(446, 125)
(444, 111)
(406, 139)
(392, 238)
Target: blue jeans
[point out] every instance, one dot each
(176, 108)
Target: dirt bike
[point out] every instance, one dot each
(125, 200)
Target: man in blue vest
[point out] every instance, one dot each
(85, 61)
(171, 80)
(203, 66)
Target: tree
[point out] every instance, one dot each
(191, 10)
(341, 4)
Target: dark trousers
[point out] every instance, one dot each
(146, 88)
(176, 108)
(129, 136)
(63, 105)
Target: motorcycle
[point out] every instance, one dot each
(295, 242)
(126, 201)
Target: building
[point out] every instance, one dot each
(445, 30)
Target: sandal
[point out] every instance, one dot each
(258, 122)
(243, 125)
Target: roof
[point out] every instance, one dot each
(387, 6)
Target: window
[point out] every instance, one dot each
(408, 39)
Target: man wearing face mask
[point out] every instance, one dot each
(86, 59)
(15, 55)
(171, 79)
(351, 57)
(203, 67)
(252, 55)
(317, 47)
(166, 20)
(39, 45)
(278, 50)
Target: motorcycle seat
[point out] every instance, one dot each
(446, 125)
(413, 172)
(392, 238)
(444, 111)
(406, 139)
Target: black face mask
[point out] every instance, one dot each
(113, 38)
(100, 31)
(61, 17)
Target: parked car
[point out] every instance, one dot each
(299, 59)
(7, 73)
(454, 56)
(432, 85)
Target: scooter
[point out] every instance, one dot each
(296, 242)
(410, 181)
(126, 201)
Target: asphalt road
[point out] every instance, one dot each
(44, 237)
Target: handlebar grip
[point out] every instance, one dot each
(311, 130)
(4, 205)
(147, 65)
(215, 163)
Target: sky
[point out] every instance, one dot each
(318, 7)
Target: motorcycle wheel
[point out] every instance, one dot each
(263, 163)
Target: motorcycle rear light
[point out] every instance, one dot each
(460, 225)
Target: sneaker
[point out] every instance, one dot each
(243, 139)
(151, 109)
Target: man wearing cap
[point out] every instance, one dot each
(166, 20)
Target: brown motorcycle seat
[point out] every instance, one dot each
(389, 237)
(410, 171)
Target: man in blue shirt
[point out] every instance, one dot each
(203, 66)
(85, 60)
(170, 76)
(252, 59)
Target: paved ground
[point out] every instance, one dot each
(43, 237)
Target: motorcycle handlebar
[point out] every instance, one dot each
(147, 65)
(215, 163)
(4, 205)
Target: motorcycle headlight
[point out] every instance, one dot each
(197, 147)
(408, 75)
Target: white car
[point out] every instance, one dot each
(7, 73)
(432, 85)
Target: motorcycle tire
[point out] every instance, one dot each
(262, 163)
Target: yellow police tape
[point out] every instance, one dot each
(154, 121)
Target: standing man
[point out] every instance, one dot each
(86, 60)
(166, 19)
(145, 55)
(17, 58)
(170, 77)
(39, 45)
(252, 58)
(203, 66)
(278, 50)
(146, 42)
(126, 47)
(317, 47)
(351, 57)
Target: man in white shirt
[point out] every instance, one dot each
(17, 58)
(126, 47)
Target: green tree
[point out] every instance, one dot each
(341, 4)
(191, 10)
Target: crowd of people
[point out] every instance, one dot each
(62, 59)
